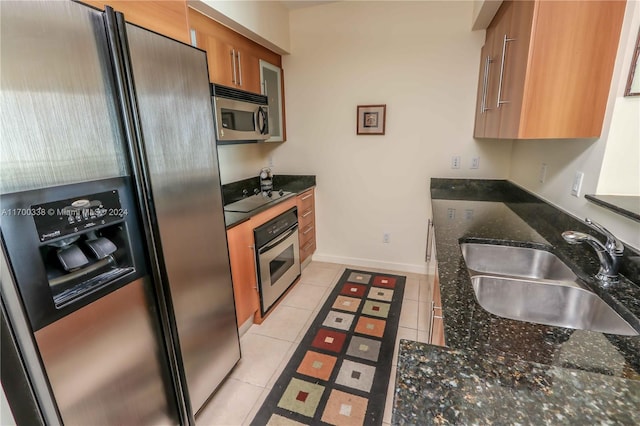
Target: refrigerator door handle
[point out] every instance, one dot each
(117, 39)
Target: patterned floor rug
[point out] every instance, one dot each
(339, 374)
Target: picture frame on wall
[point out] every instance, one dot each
(371, 119)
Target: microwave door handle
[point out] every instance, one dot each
(256, 122)
(278, 240)
(264, 129)
(258, 116)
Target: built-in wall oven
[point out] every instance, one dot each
(278, 257)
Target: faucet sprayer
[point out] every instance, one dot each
(609, 253)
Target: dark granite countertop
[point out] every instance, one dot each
(498, 212)
(232, 192)
(445, 386)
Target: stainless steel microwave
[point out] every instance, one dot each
(240, 116)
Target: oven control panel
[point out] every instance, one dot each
(75, 215)
(275, 227)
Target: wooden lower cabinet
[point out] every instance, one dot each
(436, 335)
(243, 270)
(242, 258)
(307, 223)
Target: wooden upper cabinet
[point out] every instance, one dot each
(220, 58)
(234, 60)
(229, 64)
(249, 71)
(167, 17)
(546, 69)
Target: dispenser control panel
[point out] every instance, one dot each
(66, 217)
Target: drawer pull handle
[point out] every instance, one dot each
(308, 245)
(306, 196)
(309, 229)
(307, 213)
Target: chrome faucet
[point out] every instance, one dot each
(610, 253)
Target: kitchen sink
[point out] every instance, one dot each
(515, 261)
(550, 303)
(533, 285)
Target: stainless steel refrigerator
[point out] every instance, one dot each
(117, 302)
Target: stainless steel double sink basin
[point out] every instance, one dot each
(534, 285)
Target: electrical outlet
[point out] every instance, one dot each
(451, 214)
(271, 161)
(468, 214)
(455, 162)
(386, 238)
(577, 184)
(475, 163)
(543, 173)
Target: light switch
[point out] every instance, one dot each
(577, 184)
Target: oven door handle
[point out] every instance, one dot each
(278, 240)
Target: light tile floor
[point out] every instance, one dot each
(267, 348)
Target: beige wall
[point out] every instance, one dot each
(565, 157)
(243, 161)
(620, 172)
(421, 60)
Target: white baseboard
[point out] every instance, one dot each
(371, 263)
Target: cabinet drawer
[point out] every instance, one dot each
(306, 200)
(307, 233)
(307, 249)
(305, 217)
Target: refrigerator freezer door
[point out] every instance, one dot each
(59, 120)
(176, 121)
(60, 125)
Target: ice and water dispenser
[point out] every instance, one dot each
(69, 244)
(84, 243)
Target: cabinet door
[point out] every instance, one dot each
(271, 78)
(514, 40)
(494, 41)
(570, 68)
(248, 71)
(243, 270)
(215, 39)
(223, 68)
